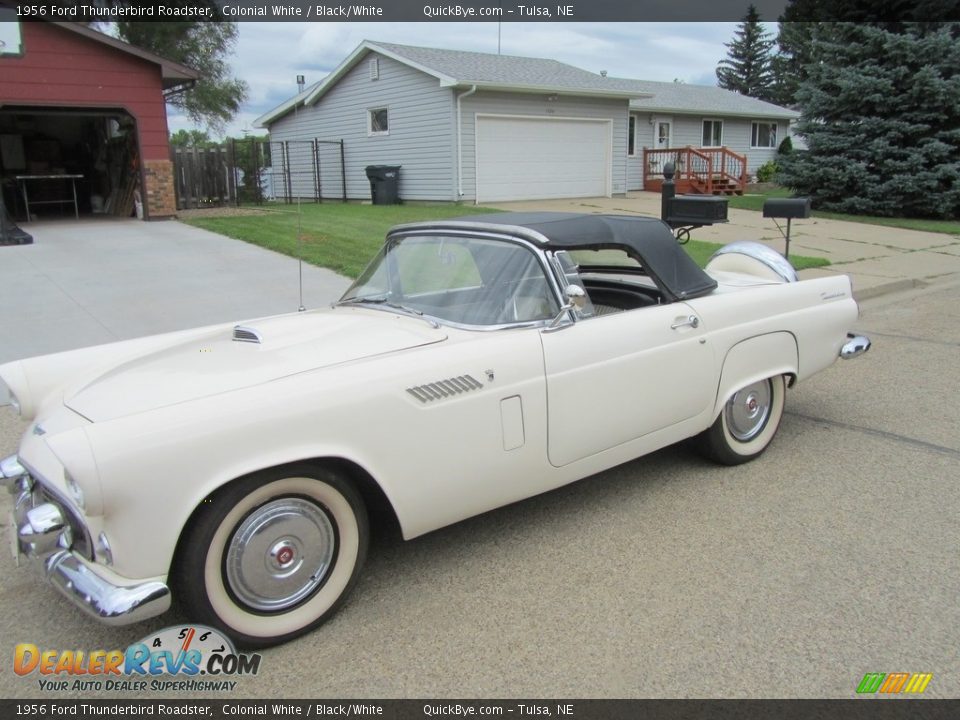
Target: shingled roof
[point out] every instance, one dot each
(459, 68)
(709, 99)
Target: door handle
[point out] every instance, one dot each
(691, 321)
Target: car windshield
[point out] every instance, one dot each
(462, 280)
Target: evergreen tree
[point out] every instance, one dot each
(881, 118)
(788, 65)
(746, 69)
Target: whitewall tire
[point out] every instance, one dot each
(747, 423)
(272, 555)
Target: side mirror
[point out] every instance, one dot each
(576, 298)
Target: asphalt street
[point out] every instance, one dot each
(833, 555)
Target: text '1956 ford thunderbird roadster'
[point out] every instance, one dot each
(475, 362)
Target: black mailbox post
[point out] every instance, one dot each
(683, 213)
(789, 208)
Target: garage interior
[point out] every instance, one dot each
(52, 152)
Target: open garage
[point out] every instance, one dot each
(83, 126)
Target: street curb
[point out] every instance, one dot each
(886, 288)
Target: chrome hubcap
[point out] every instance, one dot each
(280, 554)
(748, 410)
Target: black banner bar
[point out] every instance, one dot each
(482, 10)
(854, 709)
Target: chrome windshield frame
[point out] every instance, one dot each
(544, 260)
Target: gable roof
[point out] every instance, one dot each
(683, 98)
(459, 68)
(173, 73)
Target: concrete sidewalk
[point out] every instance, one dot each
(879, 259)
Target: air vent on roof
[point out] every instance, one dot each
(245, 334)
(374, 68)
(444, 388)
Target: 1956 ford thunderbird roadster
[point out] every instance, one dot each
(475, 362)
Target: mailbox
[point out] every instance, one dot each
(696, 210)
(788, 208)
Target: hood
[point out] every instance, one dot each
(215, 363)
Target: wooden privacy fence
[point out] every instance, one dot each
(203, 177)
(254, 171)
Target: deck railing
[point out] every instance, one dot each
(700, 169)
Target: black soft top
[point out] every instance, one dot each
(649, 240)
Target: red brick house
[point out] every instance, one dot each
(80, 108)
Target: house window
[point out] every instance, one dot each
(378, 122)
(764, 135)
(632, 136)
(712, 133)
(11, 42)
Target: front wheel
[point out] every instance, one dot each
(746, 424)
(271, 556)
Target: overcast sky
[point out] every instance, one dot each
(269, 56)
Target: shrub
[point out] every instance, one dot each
(767, 171)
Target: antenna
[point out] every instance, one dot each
(300, 308)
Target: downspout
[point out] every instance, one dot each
(460, 97)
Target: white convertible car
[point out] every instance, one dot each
(476, 362)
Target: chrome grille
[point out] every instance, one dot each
(444, 388)
(82, 543)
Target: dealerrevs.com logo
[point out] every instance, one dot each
(894, 683)
(179, 658)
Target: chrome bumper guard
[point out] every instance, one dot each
(854, 346)
(41, 530)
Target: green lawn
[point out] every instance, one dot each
(341, 236)
(755, 202)
(345, 237)
(701, 251)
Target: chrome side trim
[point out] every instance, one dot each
(444, 388)
(768, 256)
(855, 346)
(242, 333)
(100, 598)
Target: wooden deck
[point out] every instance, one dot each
(705, 171)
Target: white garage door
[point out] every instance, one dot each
(537, 158)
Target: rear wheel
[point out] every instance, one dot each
(747, 423)
(271, 556)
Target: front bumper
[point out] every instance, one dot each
(45, 527)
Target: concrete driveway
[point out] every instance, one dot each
(94, 281)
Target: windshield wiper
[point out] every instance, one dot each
(381, 300)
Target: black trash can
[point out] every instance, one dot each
(384, 184)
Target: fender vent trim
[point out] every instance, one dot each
(245, 334)
(440, 389)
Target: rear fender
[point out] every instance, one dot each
(756, 359)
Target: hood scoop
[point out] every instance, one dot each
(241, 333)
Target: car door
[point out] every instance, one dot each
(618, 377)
